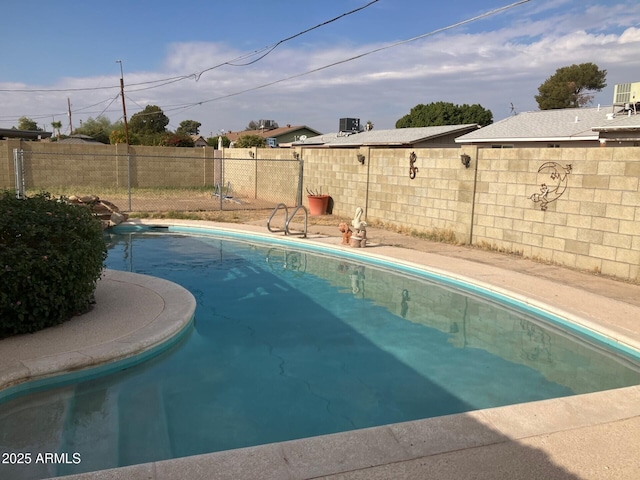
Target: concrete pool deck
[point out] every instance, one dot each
(592, 436)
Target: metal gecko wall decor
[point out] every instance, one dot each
(550, 193)
(412, 168)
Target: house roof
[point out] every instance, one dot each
(79, 139)
(198, 140)
(15, 133)
(620, 122)
(393, 137)
(551, 125)
(274, 132)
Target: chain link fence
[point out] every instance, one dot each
(156, 183)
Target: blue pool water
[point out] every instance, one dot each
(290, 344)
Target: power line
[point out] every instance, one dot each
(273, 47)
(186, 106)
(105, 108)
(47, 115)
(356, 57)
(197, 75)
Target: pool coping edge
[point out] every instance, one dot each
(154, 334)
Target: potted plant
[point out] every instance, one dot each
(318, 202)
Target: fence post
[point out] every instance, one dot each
(255, 173)
(129, 176)
(474, 151)
(222, 179)
(300, 178)
(18, 169)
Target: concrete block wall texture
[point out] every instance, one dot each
(592, 224)
(442, 186)
(172, 167)
(6, 164)
(337, 173)
(262, 173)
(50, 165)
(440, 196)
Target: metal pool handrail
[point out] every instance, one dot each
(288, 220)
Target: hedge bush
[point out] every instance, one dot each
(51, 256)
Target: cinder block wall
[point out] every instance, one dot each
(591, 221)
(336, 173)
(262, 172)
(440, 195)
(171, 167)
(91, 165)
(7, 174)
(52, 165)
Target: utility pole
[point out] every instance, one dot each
(70, 124)
(124, 108)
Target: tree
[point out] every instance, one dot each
(213, 141)
(176, 140)
(25, 123)
(189, 127)
(56, 125)
(445, 113)
(569, 87)
(246, 141)
(118, 136)
(151, 120)
(98, 128)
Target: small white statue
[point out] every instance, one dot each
(359, 237)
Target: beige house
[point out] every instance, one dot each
(284, 136)
(199, 141)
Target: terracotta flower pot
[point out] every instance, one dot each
(318, 204)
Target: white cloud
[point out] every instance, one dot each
(493, 68)
(630, 35)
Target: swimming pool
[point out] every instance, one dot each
(291, 343)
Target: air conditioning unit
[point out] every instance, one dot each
(267, 124)
(349, 125)
(626, 93)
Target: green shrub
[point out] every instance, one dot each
(51, 256)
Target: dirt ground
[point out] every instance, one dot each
(242, 216)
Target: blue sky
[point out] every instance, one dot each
(67, 50)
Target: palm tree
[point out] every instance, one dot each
(57, 125)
